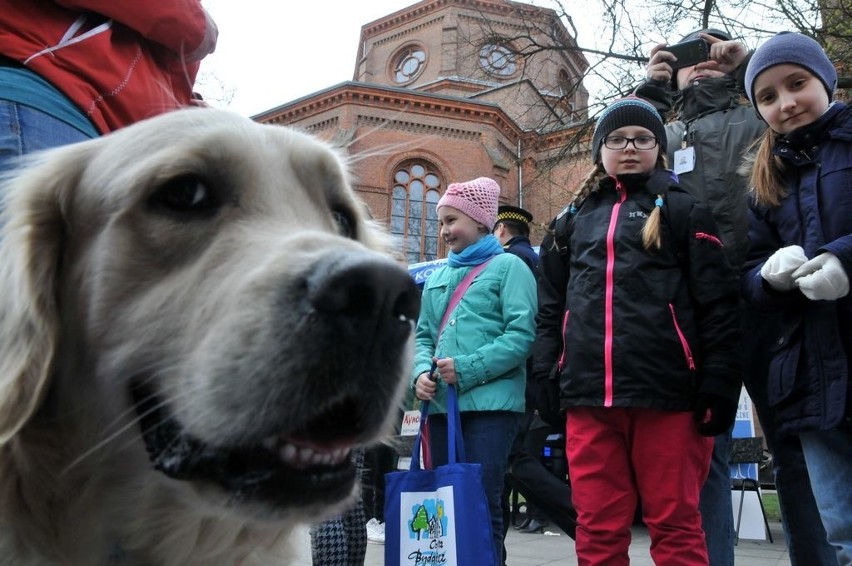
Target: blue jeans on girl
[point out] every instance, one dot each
(488, 437)
(829, 458)
(24, 129)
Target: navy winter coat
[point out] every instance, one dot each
(521, 247)
(809, 372)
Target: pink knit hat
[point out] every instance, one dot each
(477, 199)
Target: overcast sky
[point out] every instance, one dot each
(271, 52)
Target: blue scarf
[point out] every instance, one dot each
(485, 248)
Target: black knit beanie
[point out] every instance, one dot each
(723, 35)
(628, 111)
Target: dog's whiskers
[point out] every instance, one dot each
(120, 424)
(379, 151)
(382, 150)
(119, 419)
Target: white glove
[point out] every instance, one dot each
(822, 278)
(778, 269)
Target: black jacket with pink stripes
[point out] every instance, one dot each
(628, 327)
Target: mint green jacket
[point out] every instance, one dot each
(489, 335)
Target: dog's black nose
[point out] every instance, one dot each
(354, 285)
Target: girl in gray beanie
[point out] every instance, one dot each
(800, 255)
(788, 48)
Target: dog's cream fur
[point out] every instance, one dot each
(184, 252)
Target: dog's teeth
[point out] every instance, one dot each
(288, 453)
(303, 456)
(306, 455)
(338, 455)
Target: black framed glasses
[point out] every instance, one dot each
(639, 142)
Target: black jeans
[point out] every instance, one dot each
(378, 461)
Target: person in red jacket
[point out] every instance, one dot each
(71, 70)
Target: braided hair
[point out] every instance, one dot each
(651, 228)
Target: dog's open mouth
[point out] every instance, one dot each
(281, 471)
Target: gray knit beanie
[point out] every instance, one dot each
(628, 111)
(795, 49)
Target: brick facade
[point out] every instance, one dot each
(513, 124)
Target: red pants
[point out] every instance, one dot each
(619, 455)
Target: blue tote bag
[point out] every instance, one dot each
(438, 516)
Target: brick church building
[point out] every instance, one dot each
(450, 90)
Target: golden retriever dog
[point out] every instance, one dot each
(198, 323)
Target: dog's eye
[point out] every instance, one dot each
(345, 223)
(185, 195)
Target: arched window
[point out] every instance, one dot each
(416, 190)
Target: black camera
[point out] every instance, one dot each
(689, 53)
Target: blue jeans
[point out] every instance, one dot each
(488, 437)
(806, 538)
(829, 458)
(24, 129)
(717, 515)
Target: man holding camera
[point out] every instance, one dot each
(713, 129)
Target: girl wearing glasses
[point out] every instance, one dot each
(638, 323)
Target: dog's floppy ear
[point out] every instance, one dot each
(30, 253)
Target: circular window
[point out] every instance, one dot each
(408, 63)
(498, 60)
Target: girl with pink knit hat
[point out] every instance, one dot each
(483, 346)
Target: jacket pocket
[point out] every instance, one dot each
(783, 366)
(684, 343)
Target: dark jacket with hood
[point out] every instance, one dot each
(809, 373)
(630, 327)
(713, 120)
